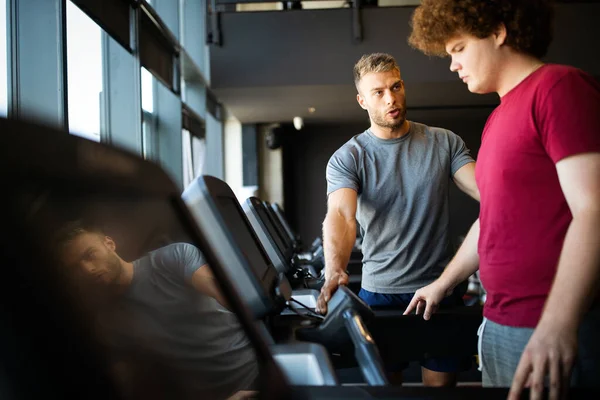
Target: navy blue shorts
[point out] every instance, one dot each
(401, 301)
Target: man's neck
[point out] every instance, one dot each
(516, 69)
(390, 133)
(125, 277)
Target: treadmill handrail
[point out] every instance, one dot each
(365, 349)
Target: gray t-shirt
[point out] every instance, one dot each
(190, 331)
(403, 212)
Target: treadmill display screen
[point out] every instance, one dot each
(243, 235)
(275, 237)
(286, 239)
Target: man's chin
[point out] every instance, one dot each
(478, 89)
(102, 280)
(397, 124)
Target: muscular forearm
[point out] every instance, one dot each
(465, 262)
(577, 279)
(339, 235)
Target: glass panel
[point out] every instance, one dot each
(188, 164)
(149, 145)
(148, 118)
(193, 156)
(141, 285)
(147, 91)
(84, 73)
(3, 60)
(198, 154)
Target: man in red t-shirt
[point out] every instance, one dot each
(537, 240)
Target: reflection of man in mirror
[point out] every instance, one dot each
(166, 302)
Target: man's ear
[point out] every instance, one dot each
(361, 101)
(500, 35)
(110, 243)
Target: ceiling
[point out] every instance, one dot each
(337, 103)
(273, 66)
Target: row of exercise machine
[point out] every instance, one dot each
(269, 280)
(289, 288)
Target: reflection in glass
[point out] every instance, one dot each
(147, 291)
(84, 73)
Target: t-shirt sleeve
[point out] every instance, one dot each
(184, 259)
(459, 153)
(342, 171)
(568, 116)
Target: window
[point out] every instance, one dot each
(193, 156)
(84, 73)
(193, 144)
(148, 117)
(147, 91)
(3, 60)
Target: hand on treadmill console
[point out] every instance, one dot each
(329, 287)
(428, 298)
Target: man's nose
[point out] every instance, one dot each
(88, 267)
(454, 65)
(389, 97)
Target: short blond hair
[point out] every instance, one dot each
(375, 62)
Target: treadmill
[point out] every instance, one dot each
(315, 254)
(419, 337)
(50, 346)
(278, 212)
(303, 279)
(312, 258)
(62, 336)
(267, 291)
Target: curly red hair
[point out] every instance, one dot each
(528, 23)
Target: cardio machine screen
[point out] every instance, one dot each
(278, 223)
(275, 237)
(243, 235)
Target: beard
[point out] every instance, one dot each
(99, 293)
(380, 119)
(111, 271)
(114, 267)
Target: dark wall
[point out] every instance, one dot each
(306, 153)
(274, 65)
(315, 47)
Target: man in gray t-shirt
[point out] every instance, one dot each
(402, 209)
(167, 307)
(393, 179)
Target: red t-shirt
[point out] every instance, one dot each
(552, 114)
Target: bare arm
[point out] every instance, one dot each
(552, 347)
(463, 265)
(465, 180)
(339, 235)
(339, 230)
(204, 282)
(578, 275)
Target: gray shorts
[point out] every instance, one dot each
(500, 348)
